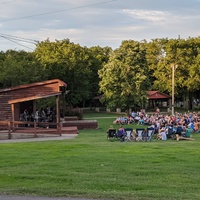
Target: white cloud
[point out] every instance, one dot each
(106, 24)
(149, 15)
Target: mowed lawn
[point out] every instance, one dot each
(90, 166)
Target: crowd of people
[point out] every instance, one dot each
(164, 125)
(41, 115)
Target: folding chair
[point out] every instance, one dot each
(128, 134)
(139, 134)
(121, 135)
(111, 134)
(150, 133)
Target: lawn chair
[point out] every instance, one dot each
(139, 134)
(111, 134)
(121, 135)
(128, 134)
(150, 133)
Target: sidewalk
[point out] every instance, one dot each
(39, 139)
(2, 197)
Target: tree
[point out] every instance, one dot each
(18, 67)
(69, 62)
(124, 79)
(161, 53)
(99, 57)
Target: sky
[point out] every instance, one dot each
(95, 22)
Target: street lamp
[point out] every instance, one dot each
(173, 72)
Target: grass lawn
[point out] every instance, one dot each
(92, 167)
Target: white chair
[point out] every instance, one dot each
(139, 134)
(129, 134)
(150, 133)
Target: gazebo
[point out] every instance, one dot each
(158, 99)
(14, 100)
(155, 99)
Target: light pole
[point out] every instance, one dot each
(173, 72)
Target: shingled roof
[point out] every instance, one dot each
(157, 95)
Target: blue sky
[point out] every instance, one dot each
(96, 22)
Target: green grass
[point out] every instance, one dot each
(92, 167)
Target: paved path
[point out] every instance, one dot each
(2, 197)
(38, 139)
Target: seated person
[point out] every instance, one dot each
(110, 128)
(130, 119)
(187, 133)
(121, 133)
(196, 127)
(123, 120)
(117, 121)
(179, 129)
(141, 121)
(191, 126)
(162, 134)
(137, 118)
(133, 114)
(170, 130)
(111, 132)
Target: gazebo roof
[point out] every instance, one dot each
(58, 81)
(153, 94)
(157, 95)
(34, 91)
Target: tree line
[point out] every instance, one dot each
(123, 75)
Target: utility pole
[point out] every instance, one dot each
(173, 73)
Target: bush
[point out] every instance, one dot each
(74, 112)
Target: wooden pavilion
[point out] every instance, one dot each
(14, 100)
(158, 99)
(155, 99)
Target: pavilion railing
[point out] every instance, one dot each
(11, 127)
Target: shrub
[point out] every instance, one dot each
(74, 112)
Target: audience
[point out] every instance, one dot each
(164, 125)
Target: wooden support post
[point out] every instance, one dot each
(35, 131)
(9, 131)
(58, 114)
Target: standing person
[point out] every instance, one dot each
(26, 115)
(43, 115)
(48, 111)
(36, 115)
(157, 111)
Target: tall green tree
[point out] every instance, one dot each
(18, 67)
(124, 79)
(69, 62)
(99, 57)
(162, 53)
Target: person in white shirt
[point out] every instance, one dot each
(37, 115)
(162, 135)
